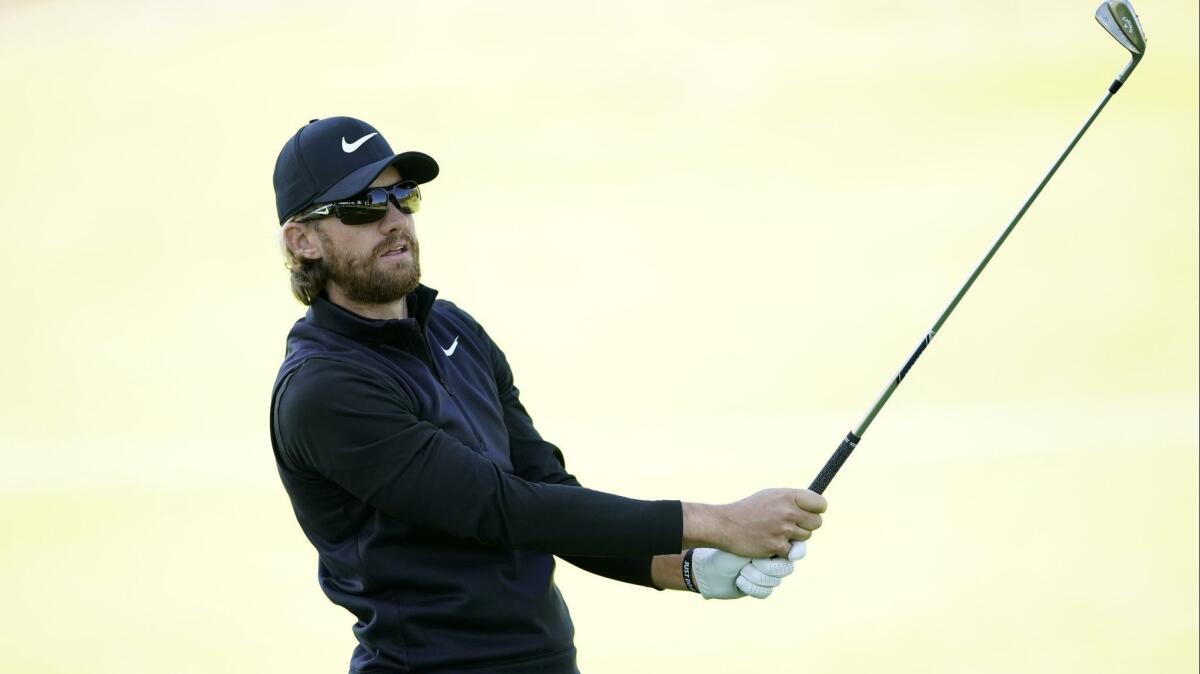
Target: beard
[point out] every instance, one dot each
(365, 281)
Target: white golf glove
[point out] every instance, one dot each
(717, 574)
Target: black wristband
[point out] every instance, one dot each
(687, 571)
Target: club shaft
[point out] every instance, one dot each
(987, 257)
(851, 441)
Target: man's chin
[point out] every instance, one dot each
(403, 287)
(385, 281)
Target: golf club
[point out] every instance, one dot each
(1119, 19)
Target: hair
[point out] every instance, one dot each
(308, 276)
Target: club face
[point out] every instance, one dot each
(1119, 19)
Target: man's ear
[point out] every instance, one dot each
(302, 241)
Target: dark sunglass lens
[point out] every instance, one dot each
(360, 214)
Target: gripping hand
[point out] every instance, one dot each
(717, 574)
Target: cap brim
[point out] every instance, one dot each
(416, 166)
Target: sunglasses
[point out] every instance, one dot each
(370, 206)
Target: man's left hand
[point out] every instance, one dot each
(722, 575)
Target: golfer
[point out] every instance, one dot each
(435, 506)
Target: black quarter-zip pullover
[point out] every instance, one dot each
(434, 504)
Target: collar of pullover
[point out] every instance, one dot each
(330, 316)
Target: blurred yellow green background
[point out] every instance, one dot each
(705, 233)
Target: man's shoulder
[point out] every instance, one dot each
(450, 311)
(306, 389)
(445, 306)
(319, 374)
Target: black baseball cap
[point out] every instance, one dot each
(335, 158)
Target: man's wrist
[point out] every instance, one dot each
(702, 526)
(666, 572)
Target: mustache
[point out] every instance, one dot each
(392, 243)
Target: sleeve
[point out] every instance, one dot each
(537, 460)
(353, 428)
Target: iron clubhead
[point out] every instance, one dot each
(1119, 19)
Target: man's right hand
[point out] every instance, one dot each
(760, 525)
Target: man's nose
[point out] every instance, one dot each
(395, 220)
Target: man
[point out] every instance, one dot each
(435, 506)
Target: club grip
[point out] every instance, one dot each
(835, 463)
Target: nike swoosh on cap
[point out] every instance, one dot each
(351, 147)
(450, 351)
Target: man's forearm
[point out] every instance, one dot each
(666, 572)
